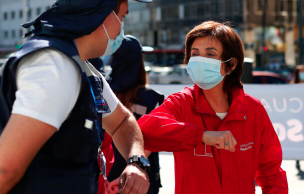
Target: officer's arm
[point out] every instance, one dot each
(20, 141)
(127, 137)
(126, 134)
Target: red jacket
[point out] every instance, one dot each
(178, 124)
(108, 152)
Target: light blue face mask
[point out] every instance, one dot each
(301, 75)
(205, 72)
(113, 45)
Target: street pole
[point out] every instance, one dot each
(263, 33)
(300, 34)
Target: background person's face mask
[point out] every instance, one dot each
(113, 45)
(301, 75)
(205, 72)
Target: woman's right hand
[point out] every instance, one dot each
(112, 187)
(220, 139)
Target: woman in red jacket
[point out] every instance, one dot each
(222, 138)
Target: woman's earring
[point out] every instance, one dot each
(228, 73)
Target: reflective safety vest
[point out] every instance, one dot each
(67, 163)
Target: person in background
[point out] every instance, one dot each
(128, 80)
(298, 77)
(222, 139)
(98, 64)
(54, 104)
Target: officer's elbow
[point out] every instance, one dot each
(9, 177)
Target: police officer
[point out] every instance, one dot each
(54, 104)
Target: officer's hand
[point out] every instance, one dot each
(220, 139)
(134, 180)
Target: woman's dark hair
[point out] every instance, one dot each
(232, 47)
(128, 96)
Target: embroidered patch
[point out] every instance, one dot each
(247, 146)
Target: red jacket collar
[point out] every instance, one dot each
(238, 104)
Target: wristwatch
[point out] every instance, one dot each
(141, 160)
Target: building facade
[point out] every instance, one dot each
(164, 25)
(12, 14)
(281, 32)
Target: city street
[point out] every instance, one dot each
(294, 177)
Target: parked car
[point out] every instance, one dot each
(169, 75)
(267, 77)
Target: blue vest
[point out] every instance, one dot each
(67, 163)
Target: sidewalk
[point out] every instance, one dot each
(294, 177)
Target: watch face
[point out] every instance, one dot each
(144, 161)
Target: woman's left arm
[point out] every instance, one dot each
(270, 176)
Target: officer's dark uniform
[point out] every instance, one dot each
(67, 163)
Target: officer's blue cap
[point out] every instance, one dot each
(71, 19)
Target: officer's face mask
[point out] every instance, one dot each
(113, 45)
(205, 72)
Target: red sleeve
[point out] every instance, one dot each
(270, 176)
(163, 129)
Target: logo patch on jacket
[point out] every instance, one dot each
(247, 146)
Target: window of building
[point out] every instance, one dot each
(249, 8)
(5, 34)
(200, 9)
(20, 13)
(207, 8)
(282, 7)
(221, 7)
(229, 7)
(214, 8)
(277, 5)
(158, 14)
(146, 15)
(170, 13)
(136, 16)
(175, 36)
(260, 5)
(12, 15)
(29, 13)
(191, 11)
(181, 10)
(20, 33)
(292, 6)
(5, 16)
(13, 34)
(38, 11)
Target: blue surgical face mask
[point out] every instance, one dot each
(113, 45)
(205, 72)
(301, 75)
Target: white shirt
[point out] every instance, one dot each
(221, 115)
(48, 85)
